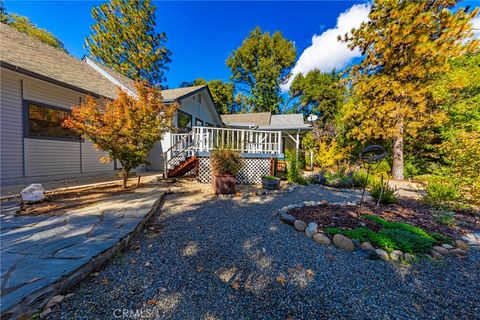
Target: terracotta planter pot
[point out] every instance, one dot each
(223, 184)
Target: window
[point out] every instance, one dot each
(208, 124)
(184, 121)
(198, 122)
(45, 121)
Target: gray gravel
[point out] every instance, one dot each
(233, 259)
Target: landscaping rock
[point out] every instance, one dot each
(343, 242)
(323, 202)
(283, 210)
(300, 225)
(311, 229)
(309, 203)
(435, 254)
(408, 257)
(447, 246)
(33, 193)
(367, 246)
(45, 313)
(356, 243)
(396, 255)
(372, 255)
(458, 252)
(321, 239)
(382, 254)
(440, 250)
(472, 239)
(461, 244)
(54, 301)
(287, 218)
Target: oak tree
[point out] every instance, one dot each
(260, 65)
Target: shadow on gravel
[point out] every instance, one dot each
(210, 258)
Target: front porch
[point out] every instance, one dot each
(260, 148)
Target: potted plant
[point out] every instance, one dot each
(226, 163)
(270, 182)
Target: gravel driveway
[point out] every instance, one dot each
(208, 258)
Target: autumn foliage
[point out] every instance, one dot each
(126, 127)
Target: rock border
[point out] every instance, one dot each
(257, 193)
(40, 298)
(340, 241)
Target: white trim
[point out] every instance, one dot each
(107, 75)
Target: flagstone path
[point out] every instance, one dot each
(46, 254)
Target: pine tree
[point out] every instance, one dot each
(406, 45)
(124, 38)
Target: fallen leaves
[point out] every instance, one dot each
(281, 279)
(152, 302)
(105, 281)
(310, 274)
(235, 285)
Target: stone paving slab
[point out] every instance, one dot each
(44, 255)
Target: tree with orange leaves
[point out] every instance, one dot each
(126, 127)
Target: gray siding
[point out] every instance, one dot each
(11, 125)
(91, 159)
(39, 157)
(51, 157)
(155, 157)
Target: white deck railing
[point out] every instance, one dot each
(207, 139)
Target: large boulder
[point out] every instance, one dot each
(343, 242)
(382, 254)
(440, 250)
(33, 193)
(311, 229)
(367, 246)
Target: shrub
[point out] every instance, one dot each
(226, 161)
(441, 189)
(269, 178)
(393, 236)
(444, 216)
(293, 170)
(388, 195)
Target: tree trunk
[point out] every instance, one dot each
(125, 178)
(397, 169)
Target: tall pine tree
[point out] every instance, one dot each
(406, 45)
(124, 38)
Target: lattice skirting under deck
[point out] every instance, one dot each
(251, 173)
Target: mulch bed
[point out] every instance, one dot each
(60, 202)
(411, 212)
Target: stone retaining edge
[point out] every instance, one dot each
(39, 299)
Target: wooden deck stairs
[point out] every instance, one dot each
(183, 167)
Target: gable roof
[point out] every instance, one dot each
(179, 93)
(255, 119)
(27, 55)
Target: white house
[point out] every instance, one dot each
(39, 85)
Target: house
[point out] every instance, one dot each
(39, 85)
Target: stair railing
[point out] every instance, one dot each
(182, 149)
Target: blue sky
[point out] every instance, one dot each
(202, 34)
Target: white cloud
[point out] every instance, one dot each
(476, 27)
(326, 52)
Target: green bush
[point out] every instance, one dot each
(441, 189)
(388, 196)
(444, 216)
(293, 169)
(393, 236)
(269, 178)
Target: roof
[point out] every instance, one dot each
(178, 93)
(247, 119)
(30, 56)
(266, 121)
(287, 122)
